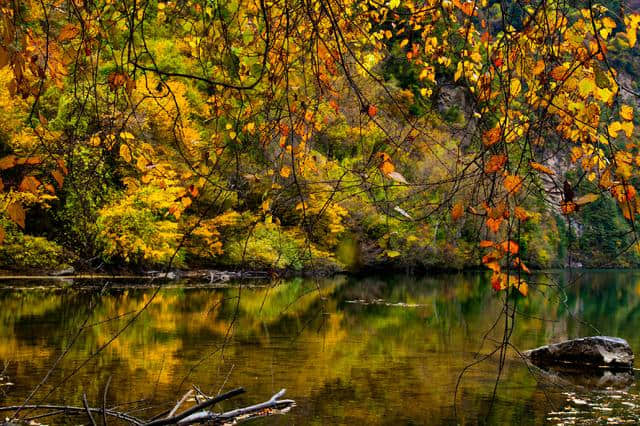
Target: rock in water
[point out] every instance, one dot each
(598, 351)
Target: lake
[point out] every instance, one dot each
(372, 350)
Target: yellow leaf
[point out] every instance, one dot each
(125, 153)
(285, 171)
(586, 87)
(632, 36)
(127, 136)
(458, 72)
(265, 205)
(141, 163)
(614, 128)
(404, 42)
(515, 87)
(392, 253)
(608, 22)
(523, 288)
(626, 112)
(186, 202)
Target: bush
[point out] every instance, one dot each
(20, 251)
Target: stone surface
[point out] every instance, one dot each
(595, 351)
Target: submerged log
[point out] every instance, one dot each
(595, 351)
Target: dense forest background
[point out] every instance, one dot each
(243, 134)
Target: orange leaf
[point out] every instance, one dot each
(62, 166)
(518, 262)
(495, 163)
(539, 67)
(58, 177)
(68, 32)
(541, 168)
(457, 211)
(494, 266)
(372, 110)
(16, 213)
(521, 213)
(466, 7)
(385, 166)
(2, 234)
(559, 72)
(513, 183)
(29, 184)
(486, 243)
(510, 247)
(568, 207)
(498, 281)
(492, 136)
(494, 224)
(7, 162)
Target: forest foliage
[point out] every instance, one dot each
(319, 135)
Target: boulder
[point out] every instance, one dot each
(595, 351)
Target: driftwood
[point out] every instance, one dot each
(194, 415)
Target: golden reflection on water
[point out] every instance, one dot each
(372, 350)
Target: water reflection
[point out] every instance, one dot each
(373, 350)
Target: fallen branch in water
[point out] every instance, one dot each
(72, 409)
(240, 414)
(194, 415)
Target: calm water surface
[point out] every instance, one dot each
(377, 350)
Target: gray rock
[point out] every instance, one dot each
(595, 351)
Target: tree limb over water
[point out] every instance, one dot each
(194, 415)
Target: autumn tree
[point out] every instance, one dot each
(159, 125)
